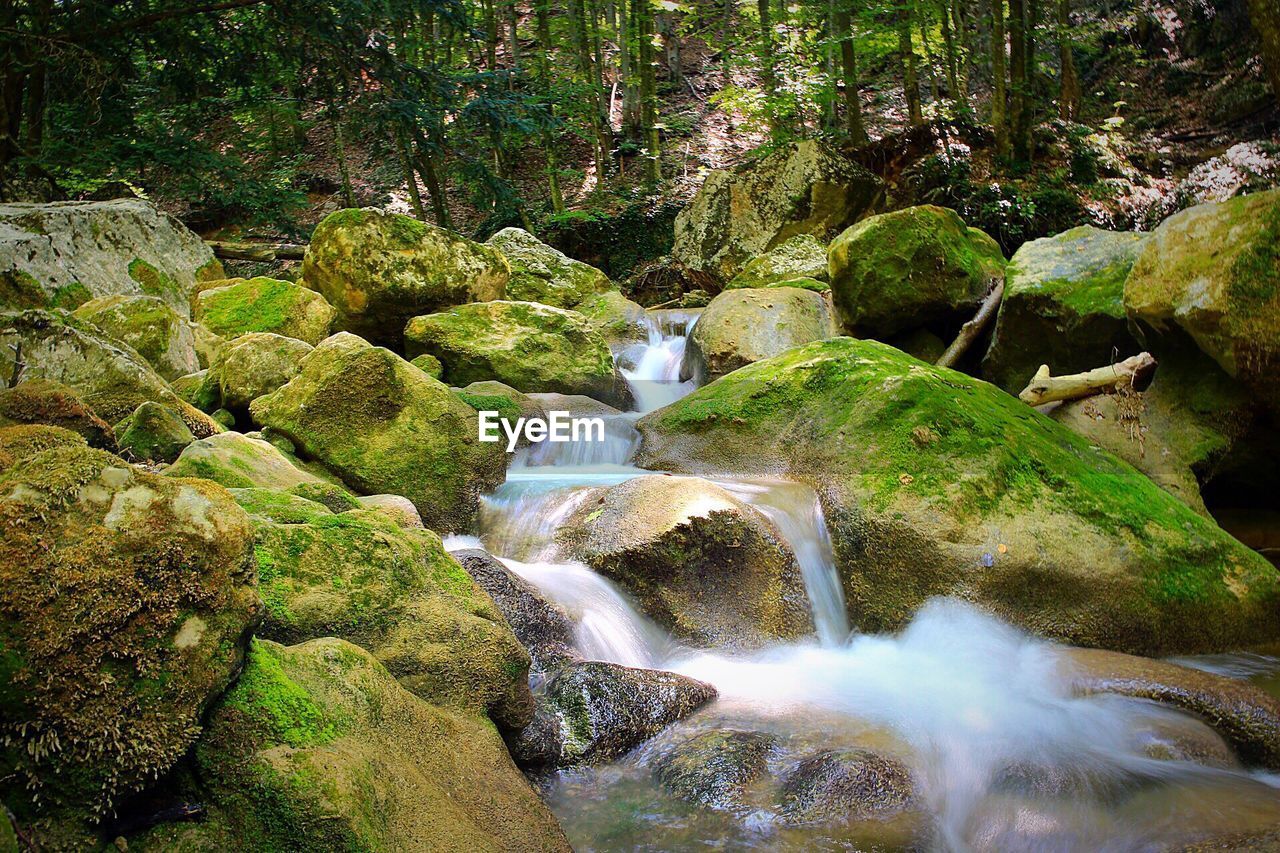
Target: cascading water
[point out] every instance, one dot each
(971, 705)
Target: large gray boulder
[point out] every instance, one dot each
(159, 333)
(746, 325)
(62, 254)
(804, 188)
(542, 273)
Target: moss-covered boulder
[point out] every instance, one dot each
(125, 599)
(255, 364)
(615, 317)
(317, 748)
(398, 508)
(108, 375)
(42, 401)
(429, 365)
(909, 268)
(154, 432)
(542, 273)
(594, 711)
(803, 188)
(384, 426)
(1213, 270)
(714, 769)
(1063, 306)
(393, 590)
(477, 392)
(240, 462)
(151, 326)
(62, 254)
(26, 440)
(934, 483)
(263, 304)
(746, 325)
(528, 346)
(379, 269)
(803, 256)
(699, 561)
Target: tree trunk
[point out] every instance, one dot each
(410, 176)
(1018, 88)
(669, 28)
(910, 84)
(999, 91)
(648, 91)
(586, 67)
(849, 71)
(627, 44)
(768, 76)
(949, 41)
(544, 71)
(1265, 15)
(1069, 91)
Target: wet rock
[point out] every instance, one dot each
(153, 432)
(838, 786)
(700, 562)
(385, 427)
(594, 711)
(318, 748)
(541, 627)
(255, 364)
(42, 401)
(240, 305)
(803, 188)
(741, 326)
(379, 269)
(544, 274)
(151, 326)
(63, 254)
(713, 769)
(801, 257)
(109, 376)
(528, 346)
(1211, 271)
(1063, 306)
(934, 483)
(1184, 738)
(125, 600)
(576, 404)
(909, 268)
(1248, 718)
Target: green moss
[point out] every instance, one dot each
(254, 305)
(506, 408)
(153, 281)
(283, 710)
(211, 270)
(70, 296)
(280, 507)
(335, 498)
(19, 289)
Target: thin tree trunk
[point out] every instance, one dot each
(544, 71)
(649, 92)
(1265, 15)
(768, 75)
(586, 67)
(669, 28)
(1069, 92)
(999, 91)
(431, 178)
(627, 44)
(1018, 94)
(910, 83)
(849, 71)
(411, 177)
(949, 40)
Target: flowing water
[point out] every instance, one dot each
(1003, 755)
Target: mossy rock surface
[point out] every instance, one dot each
(1213, 270)
(255, 364)
(746, 325)
(238, 461)
(41, 401)
(1063, 306)
(935, 483)
(803, 256)
(713, 769)
(429, 365)
(909, 268)
(125, 600)
(384, 426)
(23, 441)
(318, 748)
(151, 326)
(379, 269)
(542, 273)
(700, 562)
(528, 346)
(153, 433)
(264, 305)
(109, 376)
(806, 187)
(62, 254)
(361, 576)
(615, 317)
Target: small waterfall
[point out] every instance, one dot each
(652, 369)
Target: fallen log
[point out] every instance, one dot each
(257, 251)
(973, 329)
(1136, 372)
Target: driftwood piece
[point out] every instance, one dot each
(1043, 388)
(973, 329)
(257, 251)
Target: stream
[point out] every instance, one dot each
(1003, 755)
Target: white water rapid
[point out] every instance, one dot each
(1004, 756)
